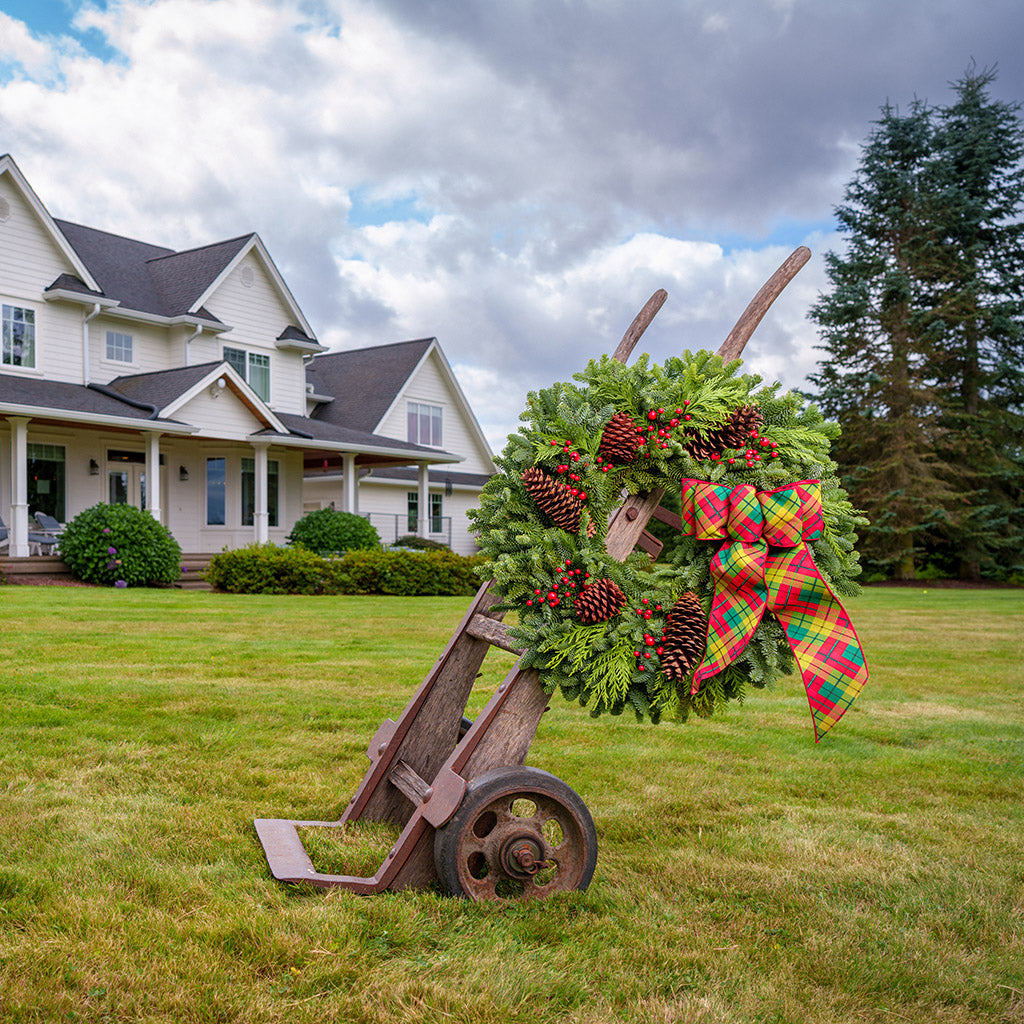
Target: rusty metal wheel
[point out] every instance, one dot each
(519, 833)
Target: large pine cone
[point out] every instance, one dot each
(619, 439)
(734, 433)
(555, 501)
(599, 601)
(685, 635)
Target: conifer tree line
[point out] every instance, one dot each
(922, 331)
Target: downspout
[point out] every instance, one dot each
(85, 341)
(188, 343)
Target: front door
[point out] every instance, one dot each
(126, 485)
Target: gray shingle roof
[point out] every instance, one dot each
(364, 382)
(52, 394)
(163, 386)
(435, 476)
(149, 278)
(320, 431)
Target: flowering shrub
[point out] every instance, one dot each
(120, 545)
(328, 532)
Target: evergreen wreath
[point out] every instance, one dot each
(616, 635)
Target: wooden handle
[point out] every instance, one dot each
(640, 324)
(733, 346)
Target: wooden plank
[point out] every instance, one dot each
(494, 632)
(408, 781)
(640, 324)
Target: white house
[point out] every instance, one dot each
(176, 381)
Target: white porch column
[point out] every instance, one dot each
(350, 487)
(153, 500)
(18, 538)
(260, 515)
(423, 503)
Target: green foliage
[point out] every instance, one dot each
(419, 543)
(268, 569)
(923, 334)
(328, 532)
(120, 545)
(410, 573)
(598, 665)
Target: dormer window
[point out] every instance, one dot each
(253, 367)
(424, 424)
(19, 336)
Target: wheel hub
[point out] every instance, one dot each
(522, 856)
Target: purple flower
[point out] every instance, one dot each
(184, 568)
(111, 564)
(111, 551)
(106, 529)
(120, 584)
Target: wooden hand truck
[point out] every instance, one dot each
(472, 814)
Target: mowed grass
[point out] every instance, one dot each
(745, 873)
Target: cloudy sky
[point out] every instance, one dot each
(514, 177)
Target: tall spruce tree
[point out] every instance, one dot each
(922, 331)
(979, 314)
(876, 376)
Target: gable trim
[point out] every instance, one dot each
(8, 166)
(255, 243)
(239, 387)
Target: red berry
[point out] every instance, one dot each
(652, 415)
(731, 461)
(647, 615)
(687, 417)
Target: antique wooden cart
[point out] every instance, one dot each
(472, 814)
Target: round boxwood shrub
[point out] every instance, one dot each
(120, 545)
(410, 540)
(328, 532)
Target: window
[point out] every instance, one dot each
(251, 367)
(119, 347)
(249, 491)
(424, 424)
(19, 336)
(436, 524)
(46, 479)
(216, 491)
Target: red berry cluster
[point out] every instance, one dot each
(660, 425)
(569, 467)
(642, 657)
(563, 588)
(752, 455)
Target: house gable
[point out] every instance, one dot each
(432, 383)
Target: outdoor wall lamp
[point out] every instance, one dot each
(94, 468)
(182, 473)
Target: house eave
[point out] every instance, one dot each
(294, 345)
(36, 412)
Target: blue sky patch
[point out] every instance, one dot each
(369, 212)
(54, 18)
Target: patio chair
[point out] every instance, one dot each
(48, 525)
(38, 543)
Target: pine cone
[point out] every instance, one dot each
(599, 601)
(555, 501)
(619, 439)
(685, 637)
(734, 433)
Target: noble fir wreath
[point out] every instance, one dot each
(747, 589)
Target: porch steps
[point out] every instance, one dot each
(40, 569)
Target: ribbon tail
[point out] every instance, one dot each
(822, 638)
(735, 615)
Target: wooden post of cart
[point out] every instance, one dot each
(457, 792)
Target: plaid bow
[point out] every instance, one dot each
(751, 578)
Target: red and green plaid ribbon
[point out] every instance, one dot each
(766, 565)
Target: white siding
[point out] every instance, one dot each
(429, 386)
(29, 262)
(224, 416)
(152, 349)
(258, 315)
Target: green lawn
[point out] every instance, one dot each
(745, 874)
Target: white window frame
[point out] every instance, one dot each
(415, 413)
(7, 324)
(117, 340)
(259, 359)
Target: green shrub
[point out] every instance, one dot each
(419, 543)
(120, 545)
(269, 569)
(328, 532)
(410, 573)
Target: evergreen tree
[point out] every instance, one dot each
(875, 379)
(922, 330)
(979, 310)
